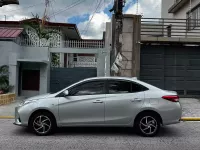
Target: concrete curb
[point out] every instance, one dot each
(7, 117)
(190, 119)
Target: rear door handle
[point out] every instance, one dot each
(98, 101)
(136, 100)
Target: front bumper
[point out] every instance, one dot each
(17, 118)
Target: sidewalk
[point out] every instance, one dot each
(9, 110)
(190, 108)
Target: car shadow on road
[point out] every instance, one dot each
(101, 131)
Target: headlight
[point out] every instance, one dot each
(26, 102)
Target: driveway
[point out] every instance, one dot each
(183, 136)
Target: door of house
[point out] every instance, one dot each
(30, 80)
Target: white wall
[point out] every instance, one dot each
(166, 4)
(6, 49)
(181, 14)
(38, 53)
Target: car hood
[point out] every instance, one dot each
(48, 95)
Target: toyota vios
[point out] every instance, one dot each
(101, 101)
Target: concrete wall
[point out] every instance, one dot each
(10, 52)
(165, 5)
(130, 46)
(37, 53)
(7, 48)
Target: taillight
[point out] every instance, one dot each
(172, 98)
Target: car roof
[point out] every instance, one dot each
(134, 79)
(120, 78)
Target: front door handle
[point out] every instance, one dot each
(98, 101)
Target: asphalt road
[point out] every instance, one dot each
(183, 136)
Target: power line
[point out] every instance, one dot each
(88, 24)
(68, 7)
(53, 11)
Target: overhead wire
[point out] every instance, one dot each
(88, 24)
(53, 10)
(67, 7)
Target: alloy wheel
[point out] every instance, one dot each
(42, 124)
(148, 125)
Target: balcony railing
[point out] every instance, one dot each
(83, 64)
(83, 44)
(159, 27)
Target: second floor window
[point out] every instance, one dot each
(193, 18)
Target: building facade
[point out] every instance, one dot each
(181, 9)
(30, 58)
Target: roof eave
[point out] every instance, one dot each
(177, 6)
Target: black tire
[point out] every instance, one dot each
(149, 129)
(47, 123)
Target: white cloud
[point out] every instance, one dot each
(86, 7)
(148, 8)
(96, 26)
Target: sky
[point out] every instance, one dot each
(90, 16)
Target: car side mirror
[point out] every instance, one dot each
(66, 93)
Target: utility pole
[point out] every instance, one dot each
(118, 21)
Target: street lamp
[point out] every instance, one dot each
(8, 2)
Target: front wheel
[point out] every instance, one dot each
(42, 123)
(148, 125)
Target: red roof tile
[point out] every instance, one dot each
(10, 32)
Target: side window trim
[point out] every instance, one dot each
(117, 80)
(85, 82)
(123, 80)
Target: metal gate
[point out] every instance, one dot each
(60, 78)
(172, 68)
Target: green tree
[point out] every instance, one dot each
(43, 33)
(4, 78)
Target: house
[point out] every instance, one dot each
(180, 9)
(29, 58)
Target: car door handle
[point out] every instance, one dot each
(98, 101)
(136, 100)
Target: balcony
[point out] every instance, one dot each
(77, 65)
(177, 30)
(177, 5)
(82, 44)
(83, 64)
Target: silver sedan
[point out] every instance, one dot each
(102, 101)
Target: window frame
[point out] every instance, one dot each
(195, 12)
(123, 80)
(84, 82)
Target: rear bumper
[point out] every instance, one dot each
(172, 115)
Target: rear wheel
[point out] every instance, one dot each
(147, 124)
(42, 123)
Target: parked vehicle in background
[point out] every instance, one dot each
(102, 101)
